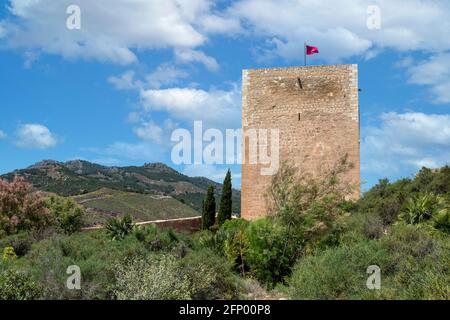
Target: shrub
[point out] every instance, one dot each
(155, 239)
(20, 209)
(210, 276)
(263, 249)
(413, 266)
(119, 228)
(67, 213)
(441, 221)
(306, 214)
(8, 254)
(272, 251)
(158, 277)
(387, 199)
(232, 240)
(16, 285)
(22, 241)
(93, 252)
(200, 275)
(310, 207)
(419, 209)
(368, 225)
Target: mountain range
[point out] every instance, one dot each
(79, 178)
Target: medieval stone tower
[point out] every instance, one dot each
(316, 112)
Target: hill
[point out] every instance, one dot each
(105, 203)
(80, 177)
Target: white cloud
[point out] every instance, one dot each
(339, 28)
(35, 136)
(189, 55)
(152, 132)
(435, 72)
(405, 62)
(406, 140)
(111, 30)
(2, 135)
(163, 75)
(125, 81)
(218, 108)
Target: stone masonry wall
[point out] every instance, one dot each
(316, 110)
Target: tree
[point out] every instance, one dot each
(209, 209)
(67, 213)
(20, 208)
(225, 200)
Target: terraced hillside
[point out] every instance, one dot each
(79, 177)
(105, 203)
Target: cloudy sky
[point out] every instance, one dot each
(114, 90)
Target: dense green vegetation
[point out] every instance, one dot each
(314, 245)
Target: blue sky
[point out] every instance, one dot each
(113, 91)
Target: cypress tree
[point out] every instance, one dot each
(209, 209)
(225, 200)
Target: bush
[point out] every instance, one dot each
(93, 252)
(263, 249)
(368, 225)
(441, 221)
(200, 275)
(271, 253)
(119, 228)
(8, 254)
(419, 209)
(20, 209)
(413, 266)
(16, 285)
(67, 213)
(22, 241)
(158, 277)
(311, 208)
(231, 240)
(155, 239)
(210, 276)
(388, 199)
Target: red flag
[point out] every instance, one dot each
(311, 50)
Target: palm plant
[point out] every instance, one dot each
(119, 228)
(419, 208)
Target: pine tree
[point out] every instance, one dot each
(225, 200)
(209, 209)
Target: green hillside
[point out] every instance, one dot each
(105, 203)
(80, 177)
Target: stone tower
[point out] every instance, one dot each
(316, 112)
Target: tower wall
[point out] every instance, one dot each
(316, 110)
